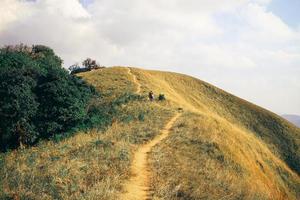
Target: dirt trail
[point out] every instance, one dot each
(137, 187)
(138, 85)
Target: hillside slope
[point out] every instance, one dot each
(239, 138)
(220, 147)
(198, 96)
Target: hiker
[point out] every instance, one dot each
(151, 96)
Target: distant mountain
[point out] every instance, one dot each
(295, 119)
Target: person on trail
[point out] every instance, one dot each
(151, 96)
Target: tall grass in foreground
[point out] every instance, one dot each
(221, 148)
(206, 159)
(91, 164)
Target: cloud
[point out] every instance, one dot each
(10, 12)
(265, 27)
(229, 43)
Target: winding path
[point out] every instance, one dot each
(138, 85)
(137, 187)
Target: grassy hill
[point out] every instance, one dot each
(221, 147)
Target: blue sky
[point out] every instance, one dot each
(86, 2)
(287, 10)
(250, 48)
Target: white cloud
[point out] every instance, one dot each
(229, 43)
(65, 8)
(10, 12)
(265, 27)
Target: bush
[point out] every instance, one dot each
(87, 65)
(38, 98)
(141, 117)
(90, 64)
(18, 106)
(161, 97)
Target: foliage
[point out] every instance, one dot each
(90, 64)
(161, 97)
(18, 107)
(228, 153)
(38, 97)
(74, 67)
(94, 163)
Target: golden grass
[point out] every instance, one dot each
(90, 165)
(196, 96)
(111, 83)
(249, 138)
(222, 147)
(218, 161)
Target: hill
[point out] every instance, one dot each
(220, 146)
(295, 119)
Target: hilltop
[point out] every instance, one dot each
(219, 146)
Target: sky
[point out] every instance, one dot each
(250, 48)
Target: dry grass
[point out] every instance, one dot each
(255, 153)
(111, 82)
(218, 161)
(196, 96)
(90, 165)
(221, 148)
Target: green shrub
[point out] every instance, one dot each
(127, 97)
(161, 97)
(141, 117)
(38, 98)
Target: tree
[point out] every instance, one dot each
(18, 48)
(18, 107)
(90, 64)
(74, 67)
(38, 98)
(63, 101)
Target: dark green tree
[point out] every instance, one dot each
(18, 107)
(63, 100)
(38, 98)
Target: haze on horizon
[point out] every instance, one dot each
(250, 48)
